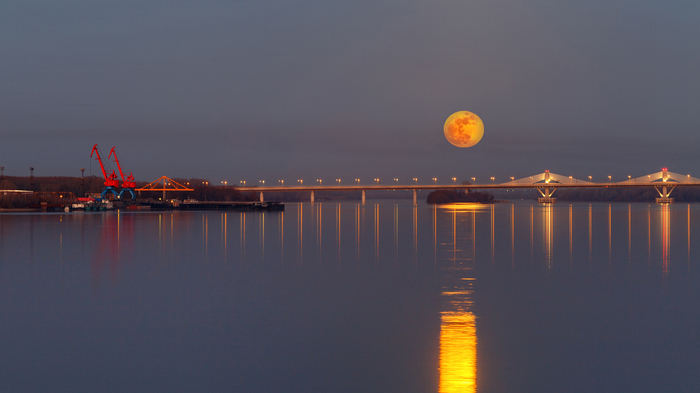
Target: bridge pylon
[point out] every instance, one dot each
(664, 192)
(547, 190)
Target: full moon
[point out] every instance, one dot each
(464, 129)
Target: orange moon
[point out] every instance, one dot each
(464, 129)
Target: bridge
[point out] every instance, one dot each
(546, 183)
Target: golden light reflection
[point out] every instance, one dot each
(649, 236)
(493, 233)
(609, 234)
(224, 224)
(548, 234)
(458, 341)
(281, 230)
(242, 239)
(532, 231)
(461, 207)
(319, 230)
(571, 234)
(262, 235)
(512, 235)
(357, 229)
(665, 236)
(300, 229)
(376, 231)
(590, 232)
(629, 233)
(396, 233)
(458, 352)
(435, 233)
(415, 234)
(454, 237)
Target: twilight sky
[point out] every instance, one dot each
(308, 89)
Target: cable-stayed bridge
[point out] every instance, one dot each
(546, 183)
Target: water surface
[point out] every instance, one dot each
(386, 297)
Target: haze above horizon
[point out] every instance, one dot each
(309, 89)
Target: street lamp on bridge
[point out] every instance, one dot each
(415, 179)
(377, 180)
(435, 180)
(338, 180)
(454, 180)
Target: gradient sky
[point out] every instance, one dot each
(234, 90)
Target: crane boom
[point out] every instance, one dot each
(95, 151)
(129, 181)
(111, 179)
(114, 153)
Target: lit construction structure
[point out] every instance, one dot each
(164, 184)
(546, 183)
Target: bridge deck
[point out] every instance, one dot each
(462, 187)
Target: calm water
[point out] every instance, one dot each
(339, 297)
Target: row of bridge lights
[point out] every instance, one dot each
(396, 180)
(320, 181)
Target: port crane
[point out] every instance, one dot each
(128, 184)
(110, 179)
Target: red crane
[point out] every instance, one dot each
(111, 179)
(128, 184)
(129, 181)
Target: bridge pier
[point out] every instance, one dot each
(665, 194)
(546, 195)
(261, 197)
(312, 197)
(415, 198)
(363, 197)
